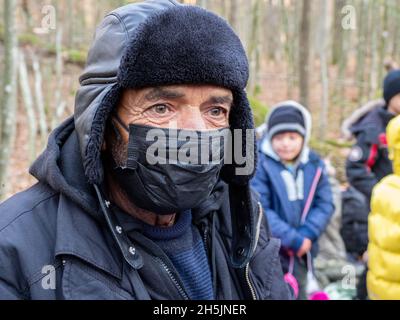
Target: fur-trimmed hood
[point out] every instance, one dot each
(349, 124)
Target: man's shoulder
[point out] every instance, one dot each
(27, 236)
(24, 205)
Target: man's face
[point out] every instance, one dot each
(394, 105)
(287, 145)
(190, 107)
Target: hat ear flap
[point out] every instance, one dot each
(92, 161)
(243, 165)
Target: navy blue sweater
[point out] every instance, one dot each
(185, 248)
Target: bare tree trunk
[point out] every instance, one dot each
(340, 58)
(28, 105)
(341, 79)
(39, 99)
(297, 16)
(70, 23)
(8, 105)
(288, 48)
(337, 46)
(253, 45)
(373, 80)
(271, 38)
(323, 46)
(383, 40)
(59, 105)
(361, 49)
(304, 53)
(27, 14)
(396, 33)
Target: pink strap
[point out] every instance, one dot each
(304, 216)
(311, 195)
(292, 281)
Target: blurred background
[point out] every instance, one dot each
(330, 55)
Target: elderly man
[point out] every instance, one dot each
(106, 221)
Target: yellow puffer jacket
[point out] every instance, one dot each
(383, 280)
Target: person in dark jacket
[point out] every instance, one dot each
(104, 220)
(354, 227)
(294, 188)
(368, 161)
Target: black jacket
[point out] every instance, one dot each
(368, 161)
(59, 240)
(354, 228)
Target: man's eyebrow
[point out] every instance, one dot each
(162, 93)
(221, 100)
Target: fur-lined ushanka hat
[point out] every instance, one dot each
(176, 44)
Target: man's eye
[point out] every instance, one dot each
(218, 111)
(160, 109)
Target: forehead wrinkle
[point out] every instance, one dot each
(228, 100)
(163, 93)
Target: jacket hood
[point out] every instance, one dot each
(393, 140)
(265, 143)
(351, 124)
(60, 167)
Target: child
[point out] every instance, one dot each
(294, 189)
(383, 279)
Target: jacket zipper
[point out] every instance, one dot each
(173, 279)
(209, 257)
(205, 238)
(247, 276)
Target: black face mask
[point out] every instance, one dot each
(169, 170)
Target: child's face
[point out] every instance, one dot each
(394, 105)
(287, 145)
